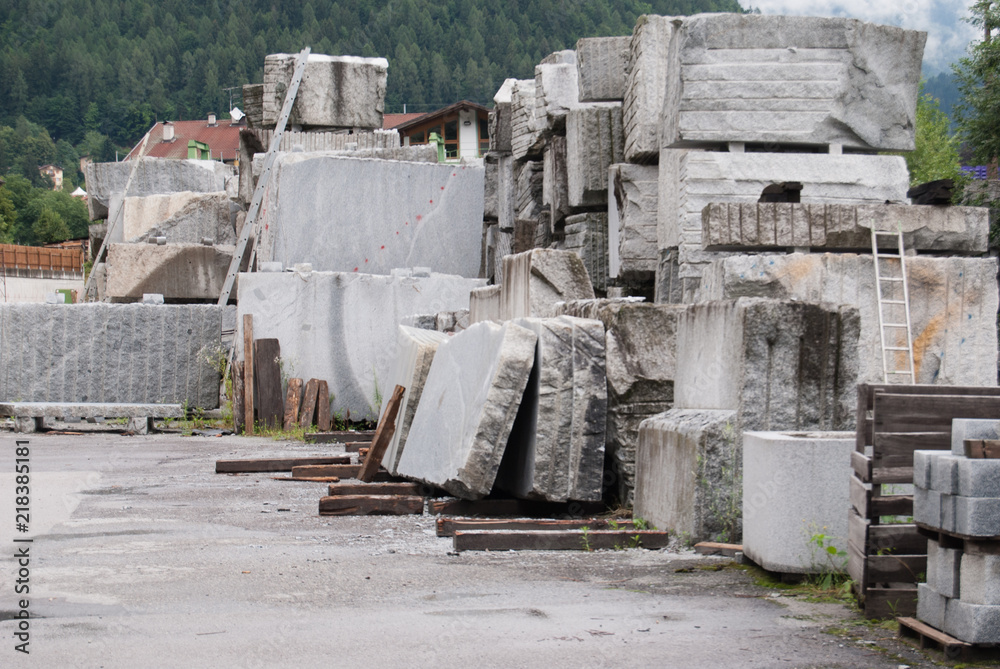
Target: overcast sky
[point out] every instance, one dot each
(947, 35)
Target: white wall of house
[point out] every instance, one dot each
(22, 289)
(468, 135)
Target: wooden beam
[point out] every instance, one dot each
(340, 471)
(890, 602)
(248, 373)
(862, 466)
(896, 539)
(293, 399)
(558, 540)
(383, 435)
(953, 648)
(897, 568)
(308, 403)
(860, 497)
(447, 527)
(310, 479)
(339, 436)
(357, 446)
(371, 505)
(413, 489)
(323, 407)
(257, 465)
(266, 357)
(514, 507)
(930, 413)
(239, 417)
(893, 505)
(894, 449)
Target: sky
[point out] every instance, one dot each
(947, 35)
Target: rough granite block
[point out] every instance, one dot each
(944, 473)
(500, 117)
(555, 187)
(529, 182)
(484, 304)
(978, 477)
(535, 280)
(601, 64)
(526, 138)
(981, 579)
(653, 68)
(943, 570)
(587, 236)
(466, 412)
(971, 428)
(594, 141)
(633, 205)
(556, 91)
(972, 623)
(176, 271)
(183, 218)
(927, 507)
(976, 516)
(930, 606)
(922, 461)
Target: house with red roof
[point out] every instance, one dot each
(464, 127)
(210, 139)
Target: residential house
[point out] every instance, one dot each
(463, 126)
(54, 173)
(210, 139)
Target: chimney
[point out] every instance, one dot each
(211, 119)
(168, 131)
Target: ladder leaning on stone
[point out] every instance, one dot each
(892, 277)
(258, 195)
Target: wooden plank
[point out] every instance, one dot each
(323, 406)
(714, 548)
(926, 635)
(248, 403)
(890, 602)
(892, 475)
(857, 563)
(343, 471)
(862, 466)
(902, 539)
(414, 489)
(513, 507)
(308, 410)
(558, 540)
(863, 431)
(929, 413)
(951, 537)
(857, 530)
(239, 418)
(897, 568)
(447, 527)
(371, 505)
(860, 497)
(341, 436)
(894, 505)
(383, 435)
(293, 399)
(267, 371)
(893, 449)
(359, 447)
(310, 479)
(257, 465)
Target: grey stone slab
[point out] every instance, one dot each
(253, 104)
(318, 316)
(526, 136)
(506, 192)
(601, 64)
(556, 92)
(529, 178)
(782, 365)
(183, 218)
(89, 410)
(944, 570)
(176, 271)
(669, 287)
(686, 479)
(153, 176)
(452, 321)
(795, 486)
(555, 184)
(794, 80)
(587, 236)
(484, 304)
(118, 353)
(371, 216)
(944, 473)
(953, 304)
(594, 141)
(467, 409)
(501, 117)
(975, 516)
(980, 576)
(972, 623)
(757, 226)
(922, 461)
(971, 428)
(653, 67)
(635, 201)
(336, 91)
(927, 507)
(978, 477)
(535, 280)
(414, 353)
(930, 606)
(491, 186)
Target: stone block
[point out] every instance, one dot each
(119, 353)
(781, 365)
(922, 462)
(506, 193)
(944, 473)
(793, 80)
(594, 141)
(253, 104)
(980, 576)
(795, 486)
(529, 181)
(414, 353)
(397, 214)
(484, 304)
(930, 606)
(927, 507)
(177, 271)
(183, 218)
(153, 176)
(317, 316)
(953, 304)
(467, 409)
(500, 117)
(633, 198)
(761, 226)
(491, 185)
(975, 516)
(535, 280)
(336, 91)
(943, 570)
(556, 446)
(526, 137)
(978, 477)
(972, 623)
(653, 65)
(687, 474)
(555, 185)
(587, 236)
(601, 64)
(556, 92)
(971, 428)
(669, 287)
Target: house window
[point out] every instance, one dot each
(484, 136)
(451, 139)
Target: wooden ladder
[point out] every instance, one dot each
(890, 281)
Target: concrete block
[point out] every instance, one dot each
(119, 353)
(556, 92)
(976, 516)
(980, 576)
(153, 176)
(526, 137)
(587, 236)
(971, 428)
(795, 486)
(371, 216)
(594, 141)
(176, 271)
(653, 66)
(414, 353)
(953, 303)
(927, 507)
(687, 474)
(944, 473)
(633, 205)
(556, 445)
(316, 316)
(601, 65)
(535, 280)
(467, 409)
(930, 606)
(500, 117)
(183, 218)
(793, 80)
(484, 304)
(336, 91)
(922, 463)
(782, 365)
(757, 226)
(949, 513)
(978, 477)
(944, 570)
(972, 623)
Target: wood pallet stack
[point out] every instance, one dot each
(886, 558)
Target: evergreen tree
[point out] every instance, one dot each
(49, 227)
(936, 154)
(978, 112)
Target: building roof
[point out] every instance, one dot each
(431, 116)
(390, 121)
(223, 139)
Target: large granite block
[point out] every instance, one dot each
(415, 350)
(336, 91)
(632, 215)
(506, 192)
(183, 218)
(587, 236)
(757, 226)
(153, 176)
(594, 141)
(526, 137)
(601, 65)
(653, 68)
(500, 117)
(120, 353)
(176, 271)
(535, 280)
(467, 409)
(529, 178)
(793, 80)
(555, 184)
(972, 623)
(556, 90)
(944, 473)
(342, 326)
(556, 446)
(371, 216)
(795, 486)
(484, 304)
(980, 576)
(953, 306)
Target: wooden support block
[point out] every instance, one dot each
(447, 527)
(248, 376)
(371, 505)
(896, 568)
(887, 602)
(514, 507)
(308, 410)
(862, 466)
(323, 407)
(293, 399)
(314, 479)
(413, 489)
(340, 471)
(276, 464)
(383, 435)
(339, 436)
(894, 505)
(926, 636)
(558, 540)
(982, 448)
(239, 419)
(357, 446)
(267, 371)
(713, 548)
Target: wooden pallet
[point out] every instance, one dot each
(928, 637)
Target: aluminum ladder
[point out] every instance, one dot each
(892, 293)
(252, 219)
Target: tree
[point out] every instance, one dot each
(978, 112)
(936, 154)
(49, 227)
(8, 217)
